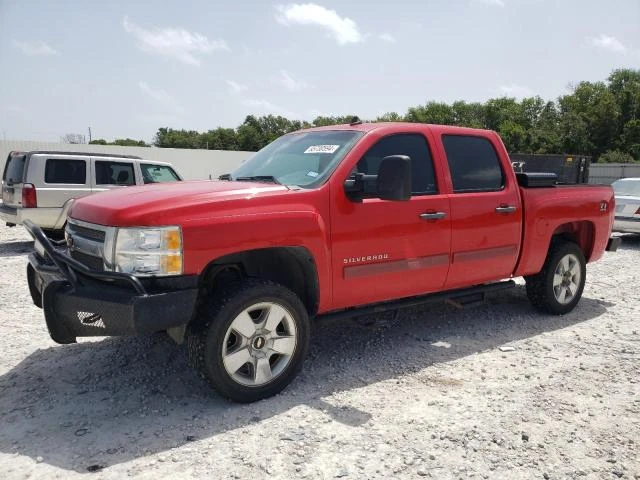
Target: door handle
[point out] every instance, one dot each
(432, 216)
(505, 209)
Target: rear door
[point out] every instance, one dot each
(13, 178)
(109, 174)
(59, 178)
(486, 213)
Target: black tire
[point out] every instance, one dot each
(540, 287)
(206, 338)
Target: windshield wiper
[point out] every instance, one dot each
(258, 178)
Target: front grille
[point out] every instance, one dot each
(86, 243)
(86, 232)
(94, 263)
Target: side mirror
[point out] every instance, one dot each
(394, 178)
(393, 181)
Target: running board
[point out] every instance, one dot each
(461, 298)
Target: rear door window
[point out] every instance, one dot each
(473, 163)
(114, 173)
(158, 173)
(14, 169)
(58, 170)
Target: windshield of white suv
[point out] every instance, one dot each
(629, 186)
(305, 159)
(158, 173)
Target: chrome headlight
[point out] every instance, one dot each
(148, 251)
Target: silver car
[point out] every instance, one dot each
(627, 191)
(41, 185)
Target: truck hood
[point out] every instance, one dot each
(176, 203)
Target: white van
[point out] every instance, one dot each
(40, 186)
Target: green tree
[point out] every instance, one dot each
(327, 121)
(630, 138)
(498, 111)
(433, 112)
(390, 117)
(98, 141)
(129, 142)
(513, 135)
(625, 87)
(471, 115)
(220, 139)
(170, 138)
(615, 156)
(594, 119)
(593, 106)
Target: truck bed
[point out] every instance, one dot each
(552, 210)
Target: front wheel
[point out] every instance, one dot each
(558, 287)
(251, 341)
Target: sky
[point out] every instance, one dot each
(126, 68)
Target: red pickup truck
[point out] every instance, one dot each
(339, 220)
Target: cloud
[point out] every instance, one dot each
(608, 42)
(342, 29)
(235, 87)
(34, 49)
(14, 109)
(492, 3)
(265, 107)
(387, 37)
(156, 93)
(174, 42)
(513, 90)
(287, 81)
(161, 96)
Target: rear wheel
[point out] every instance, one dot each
(251, 341)
(558, 287)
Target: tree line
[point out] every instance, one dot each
(601, 119)
(122, 142)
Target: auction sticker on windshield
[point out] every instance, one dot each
(322, 149)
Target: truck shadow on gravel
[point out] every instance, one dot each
(630, 242)
(102, 403)
(14, 249)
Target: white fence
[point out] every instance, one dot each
(610, 172)
(192, 164)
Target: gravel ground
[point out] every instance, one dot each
(428, 394)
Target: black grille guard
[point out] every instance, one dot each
(69, 267)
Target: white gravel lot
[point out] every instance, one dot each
(428, 394)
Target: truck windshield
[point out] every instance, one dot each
(305, 159)
(630, 187)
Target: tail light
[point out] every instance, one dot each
(637, 212)
(29, 197)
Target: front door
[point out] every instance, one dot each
(388, 249)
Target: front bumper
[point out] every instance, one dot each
(79, 302)
(10, 215)
(626, 224)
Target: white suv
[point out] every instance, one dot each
(40, 186)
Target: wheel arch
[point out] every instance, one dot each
(293, 267)
(581, 233)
